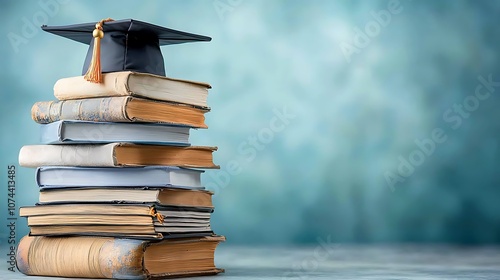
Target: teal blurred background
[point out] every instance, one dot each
(365, 121)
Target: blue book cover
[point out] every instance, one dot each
(150, 176)
(80, 132)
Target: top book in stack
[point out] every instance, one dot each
(140, 85)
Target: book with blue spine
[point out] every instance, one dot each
(79, 132)
(148, 176)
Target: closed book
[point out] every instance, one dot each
(128, 83)
(161, 196)
(149, 221)
(116, 154)
(117, 258)
(81, 132)
(118, 109)
(149, 176)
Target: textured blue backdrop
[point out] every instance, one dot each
(364, 121)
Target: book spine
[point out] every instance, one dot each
(81, 257)
(51, 133)
(114, 84)
(37, 176)
(111, 109)
(68, 155)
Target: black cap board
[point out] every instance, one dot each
(127, 45)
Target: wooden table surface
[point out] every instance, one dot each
(338, 261)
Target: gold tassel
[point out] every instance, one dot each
(94, 74)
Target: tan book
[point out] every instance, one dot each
(105, 257)
(125, 220)
(116, 154)
(118, 109)
(109, 209)
(134, 84)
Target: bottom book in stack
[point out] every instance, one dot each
(108, 257)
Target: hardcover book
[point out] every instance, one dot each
(134, 221)
(160, 196)
(127, 83)
(79, 132)
(148, 176)
(105, 257)
(118, 109)
(116, 154)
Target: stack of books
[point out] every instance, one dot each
(120, 184)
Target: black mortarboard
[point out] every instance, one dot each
(125, 45)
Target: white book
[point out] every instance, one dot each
(116, 154)
(128, 83)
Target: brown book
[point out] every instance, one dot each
(116, 154)
(118, 109)
(101, 257)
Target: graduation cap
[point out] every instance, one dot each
(119, 45)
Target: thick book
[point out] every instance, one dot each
(149, 176)
(161, 196)
(102, 257)
(128, 83)
(148, 221)
(81, 132)
(116, 154)
(119, 109)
